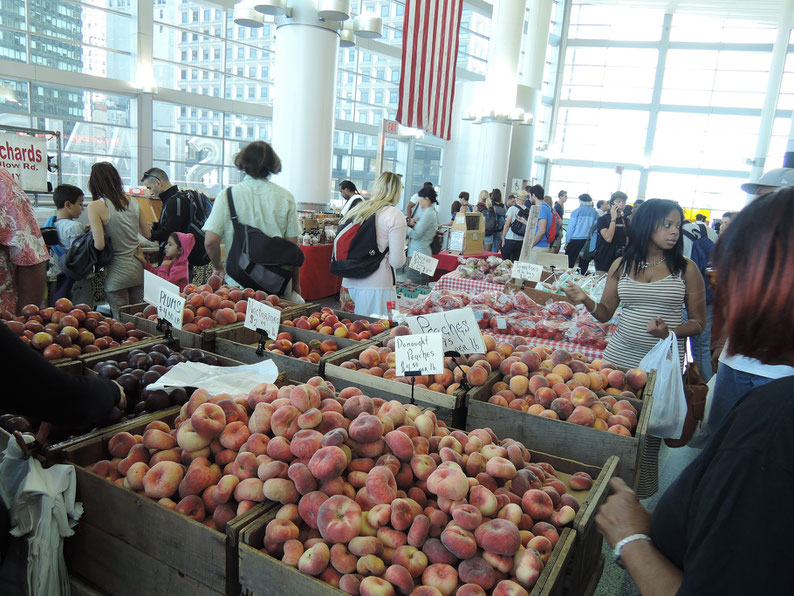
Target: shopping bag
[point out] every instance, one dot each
(696, 394)
(703, 430)
(669, 407)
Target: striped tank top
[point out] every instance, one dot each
(641, 302)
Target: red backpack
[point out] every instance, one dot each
(554, 226)
(356, 252)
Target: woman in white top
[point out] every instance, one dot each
(112, 212)
(371, 295)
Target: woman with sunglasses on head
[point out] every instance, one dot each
(113, 213)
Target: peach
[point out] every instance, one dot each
(583, 416)
(342, 560)
(174, 455)
(381, 485)
(188, 439)
(121, 443)
(562, 407)
(281, 530)
(366, 428)
(339, 519)
(582, 396)
(135, 474)
(370, 565)
(499, 467)
(508, 587)
(208, 420)
(259, 421)
(636, 378)
(284, 421)
(328, 463)
(138, 453)
(484, 500)
(302, 478)
(279, 448)
(498, 536)
(537, 504)
(222, 515)
(467, 516)
(459, 541)
(365, 545)
(314, 560)
(281, 490)
(225, 489)
(619, 429)
(399, 577)
(419, 531)
(519, 385)
(293, 550)
(528, 567)
(195, 481)
(309, 507)
(580, 481)
(192, 506)
(375, 586)
(437, 553)
(564, 516)
(549, 414)
(400, 444)
(535, 409)
(245, 465)
(411, 558)
(159, 440)
(476, 571)
(350, 583)
(623, 404)
(249, 489)
(563, 370)
(162, 479)
(477, 376)
(305, 443)
(448, 482)
(442, 576)
(310, 418)
(391, 538)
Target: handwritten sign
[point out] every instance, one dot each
(170, 307)
(456, 239)
(25, 158)
(152, 286)
(423, 263)
(421, 354)
(261, 316)
(458, 328)
(527, 271)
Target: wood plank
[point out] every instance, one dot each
(552, 580)
(299, 370)
(529, 235)
(118, 568)
(590, 588)
(79, 587)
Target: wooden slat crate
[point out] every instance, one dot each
(128, 543)
(566, 439)
(311, 308)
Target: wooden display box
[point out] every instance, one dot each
(449, 408)
(467, 234)
(240, 343)
(127, 543)
(312, 308)
(565, 439)
(262, 574)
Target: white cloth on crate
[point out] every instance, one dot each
(43, 510)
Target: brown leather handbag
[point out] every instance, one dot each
(695, 391)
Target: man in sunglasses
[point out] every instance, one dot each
(172, 219)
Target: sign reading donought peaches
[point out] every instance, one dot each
(25, 158)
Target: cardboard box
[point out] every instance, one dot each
(467, 234)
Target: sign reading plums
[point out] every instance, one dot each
(423, 263)
(152, 286)
(261, 316)
(527, 271)
(458, 328)
(419, 354)
(170, 307)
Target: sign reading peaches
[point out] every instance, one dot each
(261, 316)
(458, 329)
(170, 307)
(419, 354)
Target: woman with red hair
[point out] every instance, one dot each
(724, 527)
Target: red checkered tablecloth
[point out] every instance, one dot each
(589, 352)
(472, 287)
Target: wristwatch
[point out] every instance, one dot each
(627, 540)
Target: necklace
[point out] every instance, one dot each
(646, 265)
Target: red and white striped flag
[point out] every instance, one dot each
(430, 53)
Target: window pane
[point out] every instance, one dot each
(615, 22)
(691, 27)
(603, 134)
(599, 183)
(692, 190)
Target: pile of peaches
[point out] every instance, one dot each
(66, 330)
(326, 322)
(309, 351)
(214, 304)
(564, 387)
(376, 497)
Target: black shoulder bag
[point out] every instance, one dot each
(259, 261)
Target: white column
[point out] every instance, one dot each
(303, 103)
(788, 157)
(144, 79)
(779, 51)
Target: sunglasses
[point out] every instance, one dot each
(149, 174)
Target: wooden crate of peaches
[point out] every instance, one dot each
(391, 500)
(327, 321)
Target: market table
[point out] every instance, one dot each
(316, 278)
(448, 262)
(453, 281)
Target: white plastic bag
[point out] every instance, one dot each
(669, 402)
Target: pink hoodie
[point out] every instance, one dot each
(177, 272)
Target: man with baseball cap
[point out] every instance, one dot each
(770, 182)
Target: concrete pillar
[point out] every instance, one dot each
(145, 74)
(788, 157)
(303, 103)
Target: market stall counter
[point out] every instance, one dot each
(449, 262)
(316, 279)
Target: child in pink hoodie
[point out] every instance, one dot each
(174, 267)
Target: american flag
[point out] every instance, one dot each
(430, 50)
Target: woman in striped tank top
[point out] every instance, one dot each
(653, 281)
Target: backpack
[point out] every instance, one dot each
(83, 258)
(702, 247)
(200, 207)
(518, 228)
(50, 234)
(356, 254)
(554, 227)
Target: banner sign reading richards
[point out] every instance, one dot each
(25, 158)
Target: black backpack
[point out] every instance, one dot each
(83, 259)
(356, 254)
(200, 207)
(518, 228)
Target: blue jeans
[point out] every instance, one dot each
(487, 243)
(730, 387)
(701, 345)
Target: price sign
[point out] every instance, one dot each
(501, 323)
(458, 328)
(456, 239)
(170, 307)
(527, 271)
(423, 263)
(152, 285)
(261, 316)
(419, 354)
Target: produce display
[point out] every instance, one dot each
(310, 351)
(213, 304)
(67, 331)
(493, 270)
(555, 384)
(325, 321)
(376, 497)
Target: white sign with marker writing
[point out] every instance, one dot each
(259, 315)
(170, 307)
(456, 239)
(423, 263)
(421, 354)
(527, 271)
(458, 328)
(152, 285)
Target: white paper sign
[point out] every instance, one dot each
(456, 239)
(25, 158)
(170, 307)
(419, 354)
(423, 263)
(458, 328)
(152, 285)
(261, 316)
(527, 271)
